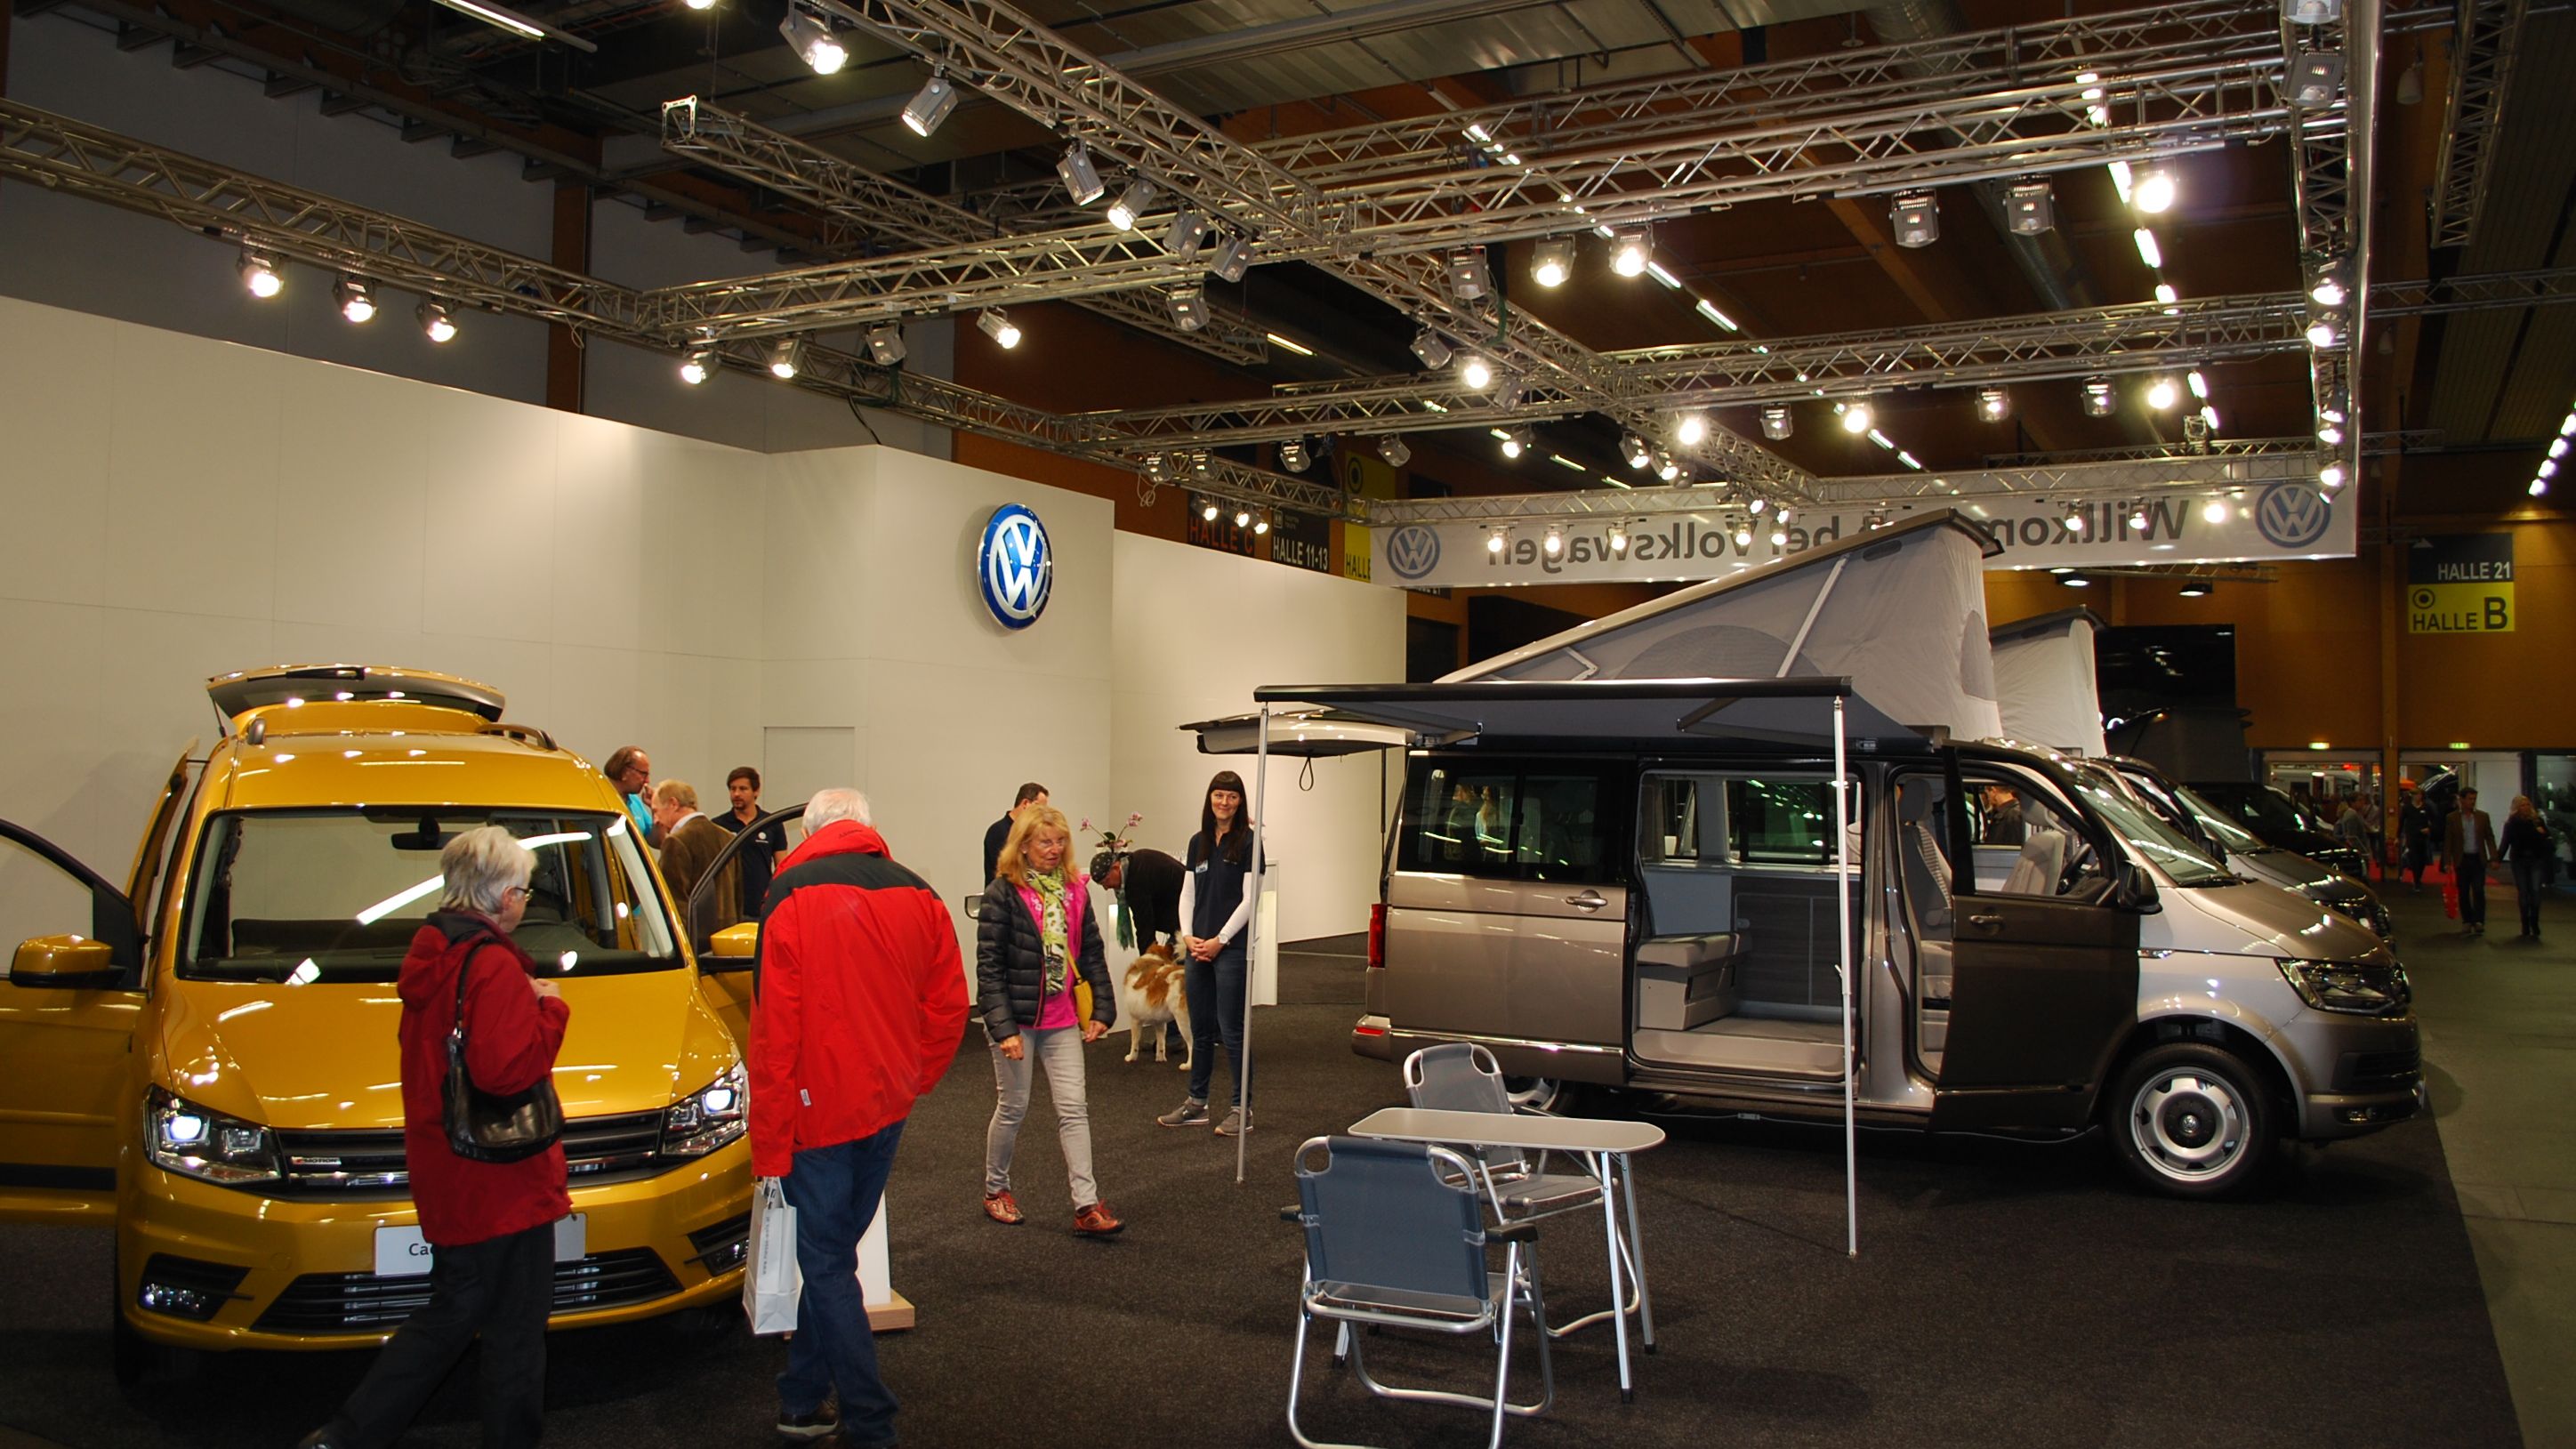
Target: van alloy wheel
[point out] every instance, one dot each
(1535, 1094)
(2192, 1119)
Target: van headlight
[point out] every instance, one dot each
(182, 1137)
(709, 1117)
(2353, 990)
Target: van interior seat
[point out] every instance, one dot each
(1687, 981)
(1927, 894)
(2043, 856)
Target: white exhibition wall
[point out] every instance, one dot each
(183, 506)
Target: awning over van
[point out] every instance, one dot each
(238, 693)
(1898, 612)
(2044, 681)
(1611, 713)
(1306, 733)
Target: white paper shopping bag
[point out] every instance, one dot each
(771, 1282)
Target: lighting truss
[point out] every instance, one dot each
(2482, 54)
(864, 208)
(2330, 165)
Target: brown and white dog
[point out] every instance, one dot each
(1150, 994)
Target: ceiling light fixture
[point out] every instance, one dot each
(1292, 455)
(2315, 77)
(2322, 333)
(1915, 217)
(356, 299)
(1554, 544)
(2138, 518)
(1188, 306)
(259, 273)
(1469, 278)
(1231, 259)
(2162, 394)
(1552, 261)
(2331, 475)
(930, 105)
(1207, 511)
(2209, 415)
(698, 366)
(2030, 207)
(2166, 294)
(1618, 538)
(516, 23)
(1428, 346)
(1516, 441)
(2148, 251)
(2154, 194)
(885, 344)
(2199, 384)
(1475, 373)
(2328, 292)
(810, 36)
(2124, 181)
(1291, 343)
(786, 356)
(1663, 274)
(998, 327)
(1690, 429)
(1242, 516)
(1494, 538)
(2196, 588)
(1993, 404)
(1634, 449)
(1710, 310)
(2329, 434)
(1743, 536)
(1131, 204)
(1777, 424)
(2214, 511)
(1630, 252)
(2076, 518)
(2099, 400)
(1856, 416)
(1261, 523)
(1394, 450)
(435, 322)
(1667, 467)
(1081, 178)
(1185, 235)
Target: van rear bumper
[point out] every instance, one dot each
(1371, 1038)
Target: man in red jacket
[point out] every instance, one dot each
(859, 1001)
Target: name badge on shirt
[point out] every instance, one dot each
(1200, 868)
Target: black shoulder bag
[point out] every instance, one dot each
(483, 1126)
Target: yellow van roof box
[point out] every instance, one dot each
(237, 694)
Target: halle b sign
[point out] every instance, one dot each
(1015, 566)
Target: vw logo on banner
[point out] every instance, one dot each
(1015, 566)
(2293, 515)
(1413, 551)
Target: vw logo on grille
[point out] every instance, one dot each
(2293, 515)
(1413, 551)
(1015, 566)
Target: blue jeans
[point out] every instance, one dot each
(835, 1191)
(1216, 990)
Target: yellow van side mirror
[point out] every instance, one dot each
(731, 948)
(67, 962)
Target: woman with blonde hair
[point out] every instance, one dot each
(1035, 934)
(2527, 848)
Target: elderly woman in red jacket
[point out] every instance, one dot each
(491, 1223)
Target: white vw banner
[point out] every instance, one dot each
(2270, 521)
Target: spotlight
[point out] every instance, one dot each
(2209, 416)
(810, 36)
(1618, 538)
(2331, 475)
(2162, 394)
(2328, 292)
(1292, 455)
(2166, 294)
(1188, 230)
(1188, 306)
(1468, 277)
(1779, 536)
(1207, 510)
(2099, 400)
(2076, 518)
(1630, 252)
(2321, 333)
(1131, 204)
(1507, 391)
(2558, 447)
(1915, 217)
(1242, 516)
(2196, 588)
(2315, 77)
(1993, 404)
(998, 327)
(1777, 424)
(1552, 261)
(1200, 466)
(2138, 518)
(1394, 451)
(2539, 486)
(1690, 430)
(2123, 181)
(1156, 470)
(435, 323)
(356, 299)
(1759, 504)
(1555, 541)
(2075, 581)
(1743, 536)
(1428, 346)
(1231, 259)
(1494, 540)
(930, 105)
(1516, 441)
(2199, 384)
(2154, 192)
(2148, 251)
(785, 356)
(1856, 416)
(2329, 434)
(1475, 373)
(2214, 511)
(1639, 456)
(698, 366)
(2310, 12)
(2030, 207)
(259, 274)
(1668, 468)
(701, 4)
(2195, 430)
(1261, 524)
(1081, 178)
(885, 344)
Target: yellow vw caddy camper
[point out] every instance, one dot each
(204, 1054)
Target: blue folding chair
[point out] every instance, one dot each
(1396, 1238)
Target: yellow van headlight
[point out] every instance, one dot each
(708, 1118)
(185, 1138)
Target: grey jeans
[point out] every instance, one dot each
(1059, 1050)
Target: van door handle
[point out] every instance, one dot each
(1986, 922)
(1587, 900)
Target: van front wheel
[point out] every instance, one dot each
(2192, 1120)
(1538, 1094)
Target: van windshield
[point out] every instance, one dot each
(2228, 833)
(337, 895)
(2168, 849)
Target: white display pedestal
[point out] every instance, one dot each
(887, 1309)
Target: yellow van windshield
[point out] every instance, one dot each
(337, 895)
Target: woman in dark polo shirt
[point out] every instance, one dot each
(1216, 915)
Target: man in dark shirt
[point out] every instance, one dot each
(999, 834)
(1150, 882)
(759, 856)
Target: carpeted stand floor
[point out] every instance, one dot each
(2006, 1295)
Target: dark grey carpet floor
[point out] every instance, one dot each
(2006, 1295)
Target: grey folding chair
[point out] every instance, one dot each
(1464, 1077)
(1396, 1238)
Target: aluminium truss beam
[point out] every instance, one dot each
(866, 210)
(2482, 55)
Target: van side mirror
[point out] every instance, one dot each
(2132, 889)
(731, 949)
(70, 963)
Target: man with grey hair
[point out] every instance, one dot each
(858, 1003)
(690, 843)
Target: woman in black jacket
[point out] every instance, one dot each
(1216, 912)
(1036, 931)
(2527, 848)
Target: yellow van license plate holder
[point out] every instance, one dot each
(401, 1252)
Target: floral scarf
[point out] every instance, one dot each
(1053, 927)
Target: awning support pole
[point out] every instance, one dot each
(1842, 926)
(1252, 933)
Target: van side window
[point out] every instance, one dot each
(2026, 839)
(1504, 821)
(1780, 822)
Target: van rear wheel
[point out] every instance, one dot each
(1539, 1094)
(2192, 1120)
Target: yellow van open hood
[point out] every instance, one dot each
(326, 1055)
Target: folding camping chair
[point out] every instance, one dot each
(1464, 1077)
(1395, 1238)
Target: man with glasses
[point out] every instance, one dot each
(631, 771)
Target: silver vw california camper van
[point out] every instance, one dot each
(1615, 863)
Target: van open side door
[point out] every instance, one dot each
(67, 1016)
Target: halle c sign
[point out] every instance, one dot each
(1015, 566)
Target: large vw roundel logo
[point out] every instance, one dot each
(1413, 551)
(1015, 566)
(2293, 515)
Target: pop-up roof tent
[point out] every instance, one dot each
(2044, 681)
(1882, 635)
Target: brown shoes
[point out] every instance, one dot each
(1001, 1207)
(1095, 1221)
